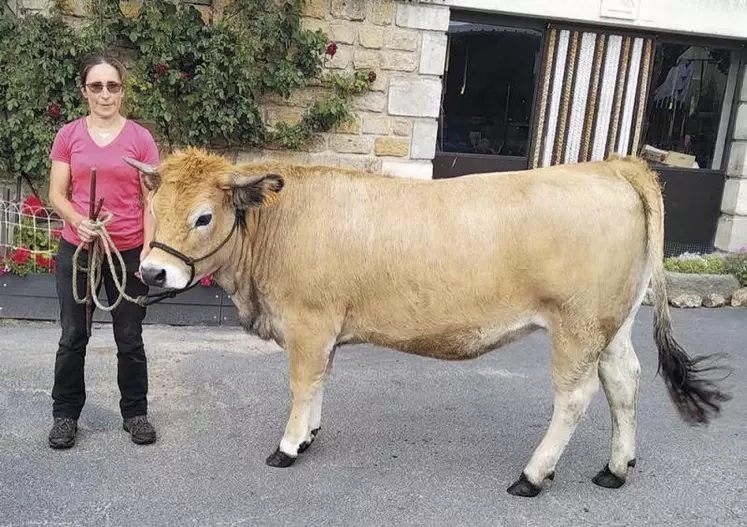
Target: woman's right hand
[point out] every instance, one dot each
(86, 232)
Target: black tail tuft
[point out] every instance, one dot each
(697, 398)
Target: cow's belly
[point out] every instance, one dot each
(459, 343)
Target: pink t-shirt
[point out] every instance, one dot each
(116, 181)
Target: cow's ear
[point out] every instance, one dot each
(253, 191)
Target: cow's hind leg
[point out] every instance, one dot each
(574, 375)
(619, 371)
(308, 360)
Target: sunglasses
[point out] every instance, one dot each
(111, 87)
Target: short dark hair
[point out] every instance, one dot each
(94, 59)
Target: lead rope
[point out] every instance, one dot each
(95, 273)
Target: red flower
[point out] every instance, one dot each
(54, 111)
(20, 256)
(206, 281)
(184, 75)
(331, 49)
(43, 261)
(32, 206)
(56, 233)
(371, 76)
(162, 69)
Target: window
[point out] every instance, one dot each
(689, 102)
(492, 71)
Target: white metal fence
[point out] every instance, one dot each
(29, 235)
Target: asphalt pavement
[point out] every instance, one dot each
(405, 440)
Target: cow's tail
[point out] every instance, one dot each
(697, 398)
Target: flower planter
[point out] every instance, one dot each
(34, 297)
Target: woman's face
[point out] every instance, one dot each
(103, 90)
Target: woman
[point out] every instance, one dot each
(101, 139)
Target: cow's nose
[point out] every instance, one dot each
(155, 276)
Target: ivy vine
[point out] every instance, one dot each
(199, 83)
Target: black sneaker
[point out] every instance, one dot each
(63, 432)
(141, 431)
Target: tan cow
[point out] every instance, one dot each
(318, 257)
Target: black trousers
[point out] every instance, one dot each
(69, 392)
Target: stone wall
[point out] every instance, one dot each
(395, 123)
(732, 226)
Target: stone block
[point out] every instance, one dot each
(402, 39)
(686, 301)
(313, 24)
(366, 59)
(739, 298)
(743, 94)
(348, 9)
(285, 114)
(433, 54)
(392, 147)
(414, 97)
(341, 58)
(353, 127)
(413, 169)
(737, 166)
(314, 8)
(375, 124)
(400, 126)
(351, 144)
(700, 285)
(740, 125)
(370, 102)
(382, 12)
(731, 232)
(343, 33)
(318, 143)
(424, 139)
(369, 164)
(130, 9)
(734, 200)
(381, 82)
(371, 37)
(714, 300)
(421, 16)
(398, 60)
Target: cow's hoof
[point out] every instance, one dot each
(306, 444)
(524, 488)
(280, 459)
(607, 479)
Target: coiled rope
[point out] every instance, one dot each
(95, 273)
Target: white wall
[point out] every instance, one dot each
(723, 18)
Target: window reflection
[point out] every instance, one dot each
(686, 101)
(489, 89)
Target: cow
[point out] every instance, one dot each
(318, 257)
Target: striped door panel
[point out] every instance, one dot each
(592, 96)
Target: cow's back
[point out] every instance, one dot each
(412, 263)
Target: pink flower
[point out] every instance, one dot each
(331, 49)
(206, 281)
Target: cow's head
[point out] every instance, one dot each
(200, 202)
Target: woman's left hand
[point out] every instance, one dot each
(144, 253)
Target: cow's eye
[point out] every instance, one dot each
(203, 220)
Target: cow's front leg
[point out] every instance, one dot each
(307, 371)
